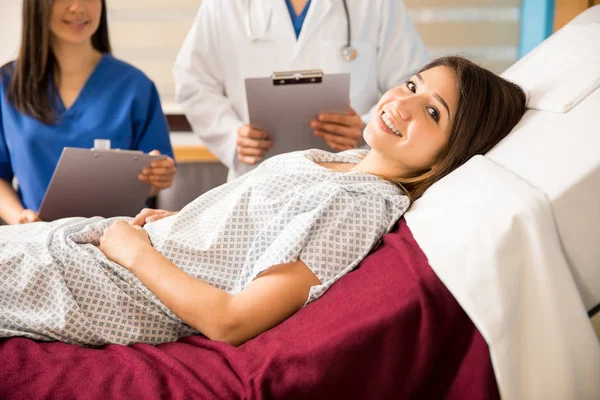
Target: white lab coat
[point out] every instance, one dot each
(217, 56)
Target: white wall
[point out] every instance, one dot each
(10, 29)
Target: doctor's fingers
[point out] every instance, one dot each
(254, 143)
(350, 119)
(252, 152)
(247, 131)
(353, 133)
(336, 142)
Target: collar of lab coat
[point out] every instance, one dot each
(317, 14)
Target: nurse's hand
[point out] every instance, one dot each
(252, 144)
(340, 131)
(160, 174)
(148, 215)
(28, 216)
(122, 243)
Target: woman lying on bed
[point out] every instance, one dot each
(245, 256)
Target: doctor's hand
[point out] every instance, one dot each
(28, 216)
(159, 174)
(122, 243)
(148, 215)
(252, 144)
(340, 131)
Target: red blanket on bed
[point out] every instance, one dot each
(390, 329)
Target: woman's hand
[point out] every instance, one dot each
(28, 216)
(340, 131)
(160, 174)
(150, 215)
(123, 243)
(252, 144)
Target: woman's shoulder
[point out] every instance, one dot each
(124, 71)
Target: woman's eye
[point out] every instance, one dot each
(434, 114)
(411, 86)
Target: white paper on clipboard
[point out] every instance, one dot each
(89, 183)
(284, 104)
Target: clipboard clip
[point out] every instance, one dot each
(297, 77)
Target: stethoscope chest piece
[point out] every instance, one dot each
(349, 53)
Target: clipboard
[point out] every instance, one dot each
(284, 104)
(89, 183)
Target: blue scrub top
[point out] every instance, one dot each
(118, 102)
(297, 20)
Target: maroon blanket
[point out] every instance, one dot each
(390, 329)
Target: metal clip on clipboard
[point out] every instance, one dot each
(280, 106)
(296, 77)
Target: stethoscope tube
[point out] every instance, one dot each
(348, 52)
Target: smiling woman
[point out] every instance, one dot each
(66, 90)
(245, 256)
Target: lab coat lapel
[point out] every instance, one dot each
(283, 22)
(317, 12)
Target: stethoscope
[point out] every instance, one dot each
(348, 52)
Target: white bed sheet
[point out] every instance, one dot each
(560, 154)
(491, 239)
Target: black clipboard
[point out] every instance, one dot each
(284, 104)
(89, 183)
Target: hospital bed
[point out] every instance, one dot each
(481, 291)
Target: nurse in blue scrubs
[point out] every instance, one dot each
(65, 89)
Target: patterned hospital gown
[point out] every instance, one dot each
(56, 285)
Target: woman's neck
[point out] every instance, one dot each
(376, 164)
(75, 59)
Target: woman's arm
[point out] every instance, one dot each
(274, 296)
(11, 208)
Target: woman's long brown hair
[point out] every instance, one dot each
(30, 90)
(488, 108)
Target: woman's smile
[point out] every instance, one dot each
(385, 124)
(77, 26)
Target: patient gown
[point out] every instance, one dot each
(55, 284)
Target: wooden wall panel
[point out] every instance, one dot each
(566, 10)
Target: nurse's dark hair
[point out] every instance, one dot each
(29, 90)
(488, 108)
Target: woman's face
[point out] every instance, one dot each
(411, 125)
(75, 21)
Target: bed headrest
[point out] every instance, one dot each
(562, 71)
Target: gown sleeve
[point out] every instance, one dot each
(332, 237)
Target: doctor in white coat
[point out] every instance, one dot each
(237, 39)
